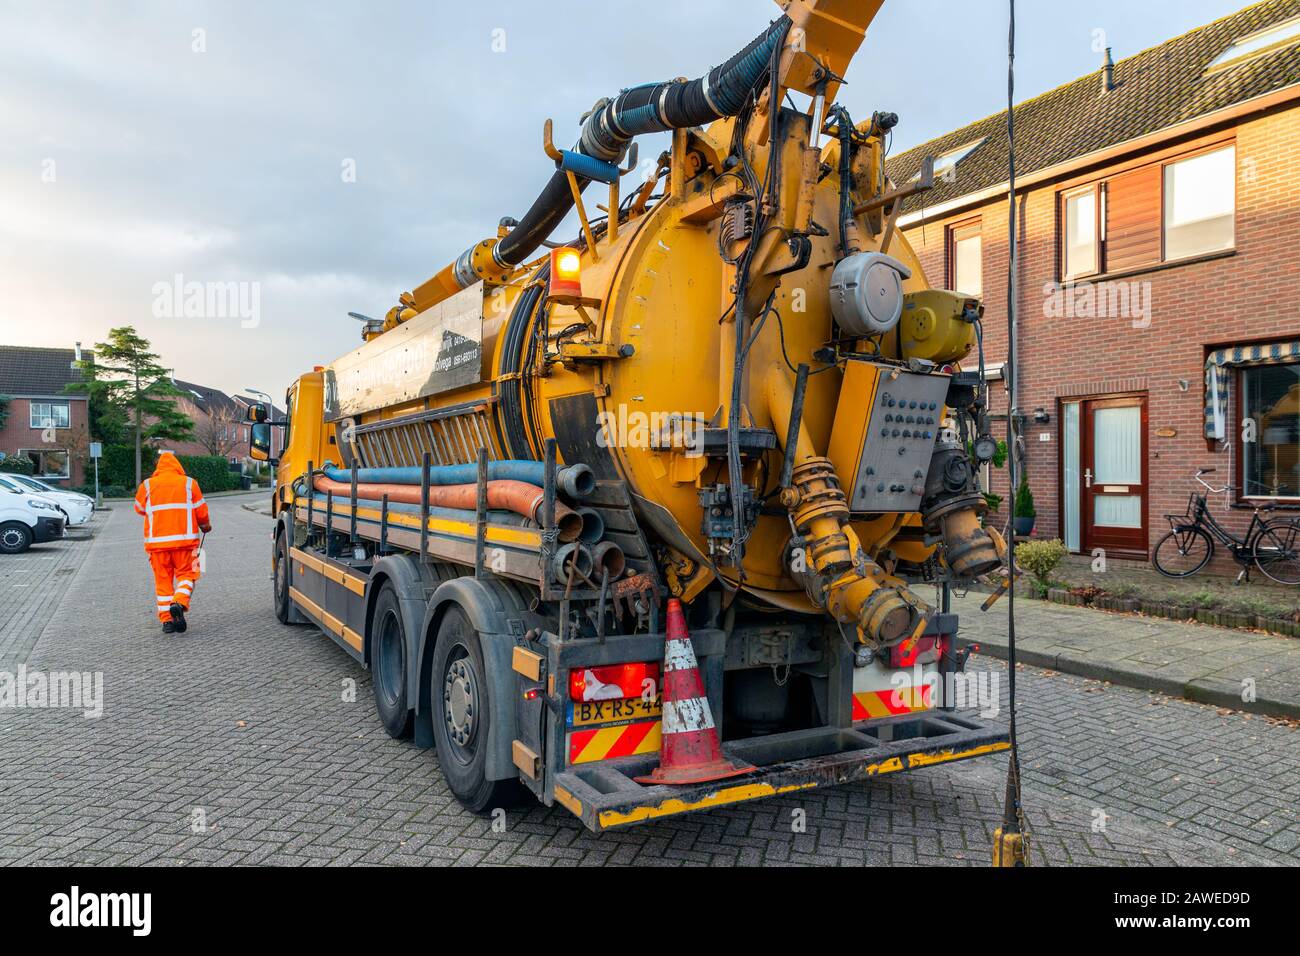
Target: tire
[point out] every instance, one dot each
(1276, 551)
(15, 537)
(280, 579)
(460, 709)
(1180, 554)
(388, 663)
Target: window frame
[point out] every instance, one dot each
(1162, 159)
(49, 403)
(1239, 447)
(37, 456)
(1164, 196)
(1098, 238)
(956, 232)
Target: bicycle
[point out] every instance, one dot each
(1272, 546)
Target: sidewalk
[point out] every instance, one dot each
(1210, 665)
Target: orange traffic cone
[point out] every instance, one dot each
(689, 750)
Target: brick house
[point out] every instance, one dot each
(1158, 239)
(44, 422)
(220, 424)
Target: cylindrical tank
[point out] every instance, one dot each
(633, 378)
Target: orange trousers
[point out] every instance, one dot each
(175, 571)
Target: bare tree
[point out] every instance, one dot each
(218, 431)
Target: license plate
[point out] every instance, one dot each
(621, 710)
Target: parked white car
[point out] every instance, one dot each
(76, 507)
(26, 518)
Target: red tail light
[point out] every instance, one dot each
(613, 681)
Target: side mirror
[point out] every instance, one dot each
(259, 441)
(258, 412)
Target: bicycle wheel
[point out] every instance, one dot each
(1277, 551)
(1182, 552)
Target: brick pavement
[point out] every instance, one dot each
(242, 725)
(1213, 665)
(32, 584)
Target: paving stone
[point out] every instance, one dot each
(310, 779)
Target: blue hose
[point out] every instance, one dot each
(451, 514)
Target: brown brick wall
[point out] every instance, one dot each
(1250, 295)
(18, 434)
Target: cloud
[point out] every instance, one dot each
(210, 139)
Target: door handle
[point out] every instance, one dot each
(1087, 478)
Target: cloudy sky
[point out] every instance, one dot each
(331, 154)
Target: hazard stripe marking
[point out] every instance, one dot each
(605, 743)
(886, 703)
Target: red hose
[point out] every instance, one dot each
(504, 494)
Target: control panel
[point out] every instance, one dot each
(884, 469)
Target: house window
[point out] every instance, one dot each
(1266, 40)
(945, 165)
(50, 462)
(1160, 212)
(1080, 254)
(1270, 464)
(965, 262)
(50, 415)
(1199, 201)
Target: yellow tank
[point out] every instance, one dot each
(630, 366)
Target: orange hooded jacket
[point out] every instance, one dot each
(172, 505)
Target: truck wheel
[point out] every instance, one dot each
(388, 663)
(15, 537)
(460, 710)
(280, 575)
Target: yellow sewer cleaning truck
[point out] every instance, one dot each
(734, 392)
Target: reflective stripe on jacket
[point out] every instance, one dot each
(172, 505)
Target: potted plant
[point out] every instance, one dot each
(1023, 512)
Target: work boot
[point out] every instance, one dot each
(168, 627)
(178, 618)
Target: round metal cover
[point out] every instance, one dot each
(867, 292)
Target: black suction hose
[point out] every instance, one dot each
(511, 393)
(650, 108)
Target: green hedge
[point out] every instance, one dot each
(117, 466)
(17, 465)
(212, 472)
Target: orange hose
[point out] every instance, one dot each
(504, 494)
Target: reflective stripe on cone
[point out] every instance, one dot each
(690, 751)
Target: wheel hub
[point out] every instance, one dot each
(12, 539)
(460, 701)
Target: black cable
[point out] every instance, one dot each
(1012, 814)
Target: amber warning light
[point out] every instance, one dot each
(566, 272)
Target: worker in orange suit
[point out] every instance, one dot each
(174, 513)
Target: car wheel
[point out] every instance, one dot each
(15, 537)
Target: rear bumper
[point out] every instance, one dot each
(604, 796)
(47, 529)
